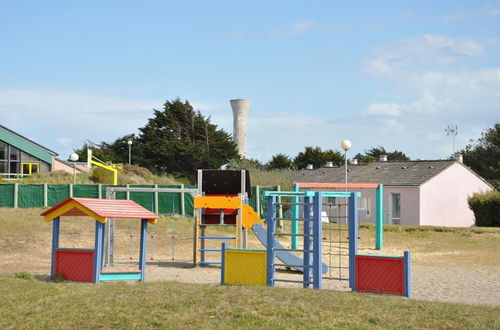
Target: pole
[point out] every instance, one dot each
(74, 172)
(129, 153)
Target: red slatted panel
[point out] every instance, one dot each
(383, 275)
(76, 265)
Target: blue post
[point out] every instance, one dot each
(353, 239)
(223, 263)
(55, 245)
(379, 221)
(142, 252)
(407, 274)
(271, 227)
(317, 242)
(99, 233)
(307, 242)
(295, 215)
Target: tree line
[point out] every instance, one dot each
(178, 140)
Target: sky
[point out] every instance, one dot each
(378, 73)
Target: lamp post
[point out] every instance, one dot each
(129, 142)
(346, 145)
(74, 157)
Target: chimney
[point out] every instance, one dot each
(329, 164)
(459, 157)
(240, 112)
(354, 161)
(382, 158)
(309, 167)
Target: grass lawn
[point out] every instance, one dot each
(37, 303)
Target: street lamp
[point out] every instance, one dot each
(74, 157)
(129, 142)
(346, 145)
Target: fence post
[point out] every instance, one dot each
(99, 192)
(16, 194)
(257, 200)
(183, 203)
(70, 188)
(157, 209)
(45, 195)
(128, 192)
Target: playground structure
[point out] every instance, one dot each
(110, 230)
(113, 168)
(221, 196)
(86, 265)
(379, 204)
(366, 273)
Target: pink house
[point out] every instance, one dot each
(430, 192)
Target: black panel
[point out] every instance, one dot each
(224, 182)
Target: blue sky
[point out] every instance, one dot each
(379, 73)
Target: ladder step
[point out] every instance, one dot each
(293, 281)
(216, 237)
(296, 250)
(209, 263)
(295, 266)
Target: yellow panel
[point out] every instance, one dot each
(217, 202)
(68, 206)
(245, 267)
(250, 217)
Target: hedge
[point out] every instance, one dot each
(486, 208)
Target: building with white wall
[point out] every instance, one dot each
(415, 192)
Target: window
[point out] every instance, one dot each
(15, 154)
(365, 203)
(396, 208)
(3, 150)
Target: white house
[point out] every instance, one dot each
(424, 192)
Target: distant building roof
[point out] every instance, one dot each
(399, 173)
(23, 143)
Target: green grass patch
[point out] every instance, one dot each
(39, 304)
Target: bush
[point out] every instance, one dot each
(23, 275)
(486, 208)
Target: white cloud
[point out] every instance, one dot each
(428, 50)
(426, 104)
(64, 141)
(486, 10)
(295, 29)
(391, 109)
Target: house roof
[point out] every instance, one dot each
(100, 209)
(400, 173)
(25, 138)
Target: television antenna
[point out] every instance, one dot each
(453, 131)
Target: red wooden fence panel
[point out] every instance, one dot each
(379, 274)
(75, 264)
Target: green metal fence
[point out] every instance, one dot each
(16, 195)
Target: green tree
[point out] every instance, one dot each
(317, 157)
(483, 155)
(280, 161)
(179, 140)
(373, 154)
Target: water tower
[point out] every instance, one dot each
(240, 113)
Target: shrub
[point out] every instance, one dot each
(486, 208)
(23, 275)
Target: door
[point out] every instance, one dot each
(30, 168)
(396, 209)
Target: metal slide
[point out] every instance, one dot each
(285, 256)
